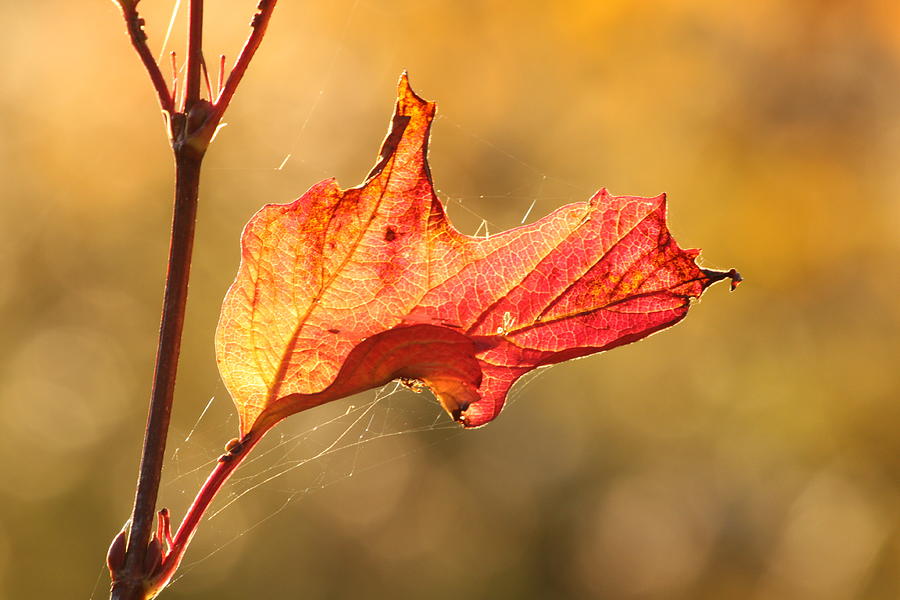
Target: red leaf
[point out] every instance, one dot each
(345, 290)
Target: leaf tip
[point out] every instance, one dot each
(406, 93)
(731, 274)
(403, 87)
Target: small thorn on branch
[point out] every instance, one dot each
(221, 81)
(137, 30)
(164, 527)
(174, 58)
(209, 93)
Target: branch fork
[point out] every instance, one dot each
(140, 564)
(199, 117)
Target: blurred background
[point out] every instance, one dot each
(752, 452)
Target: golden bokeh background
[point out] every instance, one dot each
(752, 452)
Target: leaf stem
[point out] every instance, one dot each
(225, 466)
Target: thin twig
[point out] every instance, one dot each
(135, 26)
(258, 24)
(209, 92)
(221, 80)
(174, 58)
(195, 55)
(178, 544)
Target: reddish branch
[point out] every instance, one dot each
(130, 582)
(135, 25)
(138, 564)
(176, 547)
(195, 54)
(259, 24)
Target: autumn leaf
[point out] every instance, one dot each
(344, 290)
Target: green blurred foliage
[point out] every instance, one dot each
(751, 452)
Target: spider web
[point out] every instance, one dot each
(293, 461)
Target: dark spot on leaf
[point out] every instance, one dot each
(390, 235)
(334, 331)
